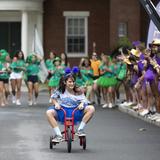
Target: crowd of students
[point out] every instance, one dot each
(136, 69)
(142, 82)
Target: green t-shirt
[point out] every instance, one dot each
(18, 66)
(33, 69)
(87, 74)
(106, 73)
(49, 64)
(121, 70)
(5, 74)
(57, 73)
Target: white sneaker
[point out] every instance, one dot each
(158, 120)
(129, 103)
(13, 99)
(135, 107)
(110, 105)
(144, 112)
(124, 104)
(18, 103)
(35, 102)
(155, 117)
(138, 106)
(2, 104)
(105, 106)
(30, 103)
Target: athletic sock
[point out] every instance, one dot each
(81, 126)
(57, 131)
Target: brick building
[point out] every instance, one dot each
(76, 27)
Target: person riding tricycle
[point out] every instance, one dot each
(68, 97)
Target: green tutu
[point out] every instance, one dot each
(106, 81)
(53, 82)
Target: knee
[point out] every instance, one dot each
(94, 86)
(91, 109)
(49, 113)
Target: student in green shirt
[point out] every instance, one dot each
(87, 74)
(5, 60)
(50, 68)
(32, 70)
(17, 67)
(49, 64)
(4, 85)
(57, 73)
(64, 60)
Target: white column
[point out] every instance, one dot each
(24, 33)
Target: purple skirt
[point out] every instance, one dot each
(149, 75)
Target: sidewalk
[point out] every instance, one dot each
(135, 114)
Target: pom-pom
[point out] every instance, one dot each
(75, 69)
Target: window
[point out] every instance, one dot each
(76, 36)
(122, 30)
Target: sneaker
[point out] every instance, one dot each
(30, 103)
(13, 99)
(80, 133)
(58, 139)
(135, 107)
(123, 104)
(144, 112)
(138, 106)
(18, 103)
(157, 120)
(2, 104)
(35, 102)
(155, 117)
(110, 105)
(130, 103)
(105, 105)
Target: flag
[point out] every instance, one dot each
(153, 32)
(38, 49)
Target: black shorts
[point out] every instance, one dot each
(33, 79)
(4, 80)
(49, 76)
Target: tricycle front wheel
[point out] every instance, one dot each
(69, 140)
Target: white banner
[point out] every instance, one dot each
(38, 49)
(153, 32)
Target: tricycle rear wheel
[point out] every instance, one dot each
(50, 143)
(83, 142)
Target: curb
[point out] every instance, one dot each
(136, 115)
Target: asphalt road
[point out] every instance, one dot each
(111, 135)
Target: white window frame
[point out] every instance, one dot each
(122, 29)
(77, 14)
